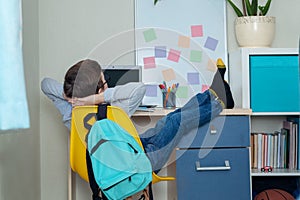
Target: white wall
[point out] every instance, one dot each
(69, 31)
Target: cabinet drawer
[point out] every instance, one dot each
(215, 181)
(223, 131)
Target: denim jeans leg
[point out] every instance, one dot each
(163, 140)
(198, 99)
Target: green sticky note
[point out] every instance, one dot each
(182, 92)
(149, 35)
(196, 56)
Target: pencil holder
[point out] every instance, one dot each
(169, 100)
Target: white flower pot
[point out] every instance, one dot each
(255, 31)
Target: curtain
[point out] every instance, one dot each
(13, 102)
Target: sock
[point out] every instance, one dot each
(221, 87)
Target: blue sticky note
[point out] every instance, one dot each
(193, 78)
(160, 52)
(151, 90)
(211, 43)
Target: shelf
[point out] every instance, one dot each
(274, 113)
(276, 172)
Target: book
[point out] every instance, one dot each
(284, 148)
(296, 120)
(275, 149)
(255, 150)
(259, 151)
(288, 126)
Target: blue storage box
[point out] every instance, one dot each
(274, 83)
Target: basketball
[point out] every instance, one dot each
(274, 194)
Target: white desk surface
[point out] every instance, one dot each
(160, 112)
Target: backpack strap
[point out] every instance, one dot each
(102, 111)
(97, 194)
(93, 185)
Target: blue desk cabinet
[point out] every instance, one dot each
(266, 79)
(213, 163)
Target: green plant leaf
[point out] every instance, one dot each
(244, 8)
(248, 6)
(264, 9)
(155, 2)
(254, 7)
(235, 8)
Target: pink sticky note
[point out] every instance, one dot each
(174, 55)
(197, 31)
(149, 62)
(204, 88)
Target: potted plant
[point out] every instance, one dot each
(252, 27)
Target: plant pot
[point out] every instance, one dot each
(255, 31)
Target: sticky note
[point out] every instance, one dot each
(174, 55)
(211, 43)
(193, 78)
(197, 31)
(151, 90)
(211, 65)
(168, 74)
(160, 52)
(204, 88)
(196, 56)
(184, 41)
(149, 35)
(182, 92)
(149, 62)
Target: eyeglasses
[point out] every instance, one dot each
(107, 78)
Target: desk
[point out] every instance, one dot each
(160, 112)
(186, 182)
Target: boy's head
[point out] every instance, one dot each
(83, 79)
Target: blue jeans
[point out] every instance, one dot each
(160, 141)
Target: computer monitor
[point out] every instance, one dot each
(122, 74)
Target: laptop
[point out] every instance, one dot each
(122, 74)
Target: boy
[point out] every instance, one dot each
(84, 84)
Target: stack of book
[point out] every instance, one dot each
(279, 149)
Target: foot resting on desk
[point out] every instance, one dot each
(221, 87)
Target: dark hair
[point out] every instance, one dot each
(83, 79)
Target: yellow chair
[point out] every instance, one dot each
(83, 118)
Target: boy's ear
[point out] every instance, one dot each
(65, 97)
(100, 90)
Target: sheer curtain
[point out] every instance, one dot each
(13, 102)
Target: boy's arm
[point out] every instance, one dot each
(128, 96)
(54, 91)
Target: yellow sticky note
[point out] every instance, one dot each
(184, 41)
(169, 74)
(211, 65)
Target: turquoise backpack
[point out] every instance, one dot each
(120, 166)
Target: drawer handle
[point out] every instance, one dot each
(217, 168)
(213, 130)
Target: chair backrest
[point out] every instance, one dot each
(83, 117)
